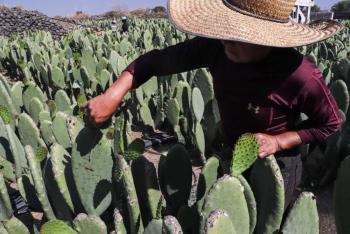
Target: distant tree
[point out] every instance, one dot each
(159, 9)
(79, 12)
(341, 6)
(315, 8)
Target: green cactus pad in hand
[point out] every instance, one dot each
(244, 155)
(56, 227)
(5, 115)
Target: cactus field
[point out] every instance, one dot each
(75, 178)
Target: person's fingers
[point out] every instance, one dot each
(259, 139)
(85, 105)
(262, 154)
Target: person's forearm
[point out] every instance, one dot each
(120, 87)
(288, 140)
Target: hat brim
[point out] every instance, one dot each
(213, 19)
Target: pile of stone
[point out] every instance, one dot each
(16, 21)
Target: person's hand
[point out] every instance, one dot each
(100, 109)
(267, 144)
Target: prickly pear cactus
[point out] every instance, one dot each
(58, 78)
(154, 227)
(118, 222)
(303, 216)
(219, 222)
(92, 165)
(62, 102)
(59, 159)
(17, 151)
(204, 82)
(173, 112)
(2, 229)
(146, 184)
(60, 130)
(39, 183)
(176, 177)
(16, 94)
(124, 175)
(28, 131)
(5, 203)
(46, 132)
(267, 184)
(171, 225)
(7, 169)
(227, 193)
(15, 226)
(134, 150)
(35, 107)
(91, 224)
(341, 197)
(5, 115)
(56, 227)
(31, 91)
(207, 178)
(251, 203)
(245, 154)
(146, 116)
(6, 100)
(340, 92)
(197, 104)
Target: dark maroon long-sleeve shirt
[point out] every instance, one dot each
(265, 97)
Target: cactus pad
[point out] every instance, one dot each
(341, 197)
(89, 224)
(197, 104)
(5, 115)
(267, 184)
(177, 177)
(92, 165)
(154, 227)
(135, 150)
(171, 225)
(245, 154)
(56, 227)
(228, 193)
(14, 225)
(249, 197)
(303, 216)
(219, 222)
(207, 178)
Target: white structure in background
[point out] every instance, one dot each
(298, 15)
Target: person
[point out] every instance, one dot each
(125, 24)
(114, 25)
(261, 82)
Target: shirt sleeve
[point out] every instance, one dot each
(191, 54)
(317, 102)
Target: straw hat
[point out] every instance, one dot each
(262, 22)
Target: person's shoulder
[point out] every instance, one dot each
(306, 73)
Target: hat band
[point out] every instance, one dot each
(235, 8)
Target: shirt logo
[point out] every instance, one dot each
(254, 109)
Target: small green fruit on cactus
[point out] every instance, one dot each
(135, 150)
(244, 155)
(56, 227)
(5, 115)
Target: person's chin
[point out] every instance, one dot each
(233, 58)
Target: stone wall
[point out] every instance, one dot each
(17, 20)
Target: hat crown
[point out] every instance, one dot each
(275, 10)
